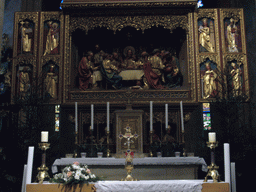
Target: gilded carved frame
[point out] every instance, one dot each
(58, 58)
(140, 23)
(21, 58)
(203, 56)
(240, 57)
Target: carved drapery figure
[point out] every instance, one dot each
(110, 72)
(153, 70)
(232, 36)
(173, 76)
(26, 37)
(24, 81)
(236, 74)
(204, 38)
(51, 81)
(209, 79)
(52, 40)
(85, 70)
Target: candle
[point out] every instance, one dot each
(30, 164)
(91, 116)
(227, 162)
(151, 115)
(181, 116)
(44, 136)
(212, 137)
(107, 116)
(233, 176)
(76, 125)
(166, 116)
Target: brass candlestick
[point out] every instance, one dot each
(108, 150)
(76, 144)
(213, 168)
(183, 144)
(129, 158)
(151, 142)
(43, 174)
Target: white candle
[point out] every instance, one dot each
(166, 116)
(44, 136)
(181, 116)
(227, 162)
(151, 115)
(107, 116)
(29, 165)
(91, 116)
(76, 125)
(212, 137)
(233, 176)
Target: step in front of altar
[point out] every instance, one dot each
(148, 168)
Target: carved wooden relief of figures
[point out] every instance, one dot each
(26, 37)
(232, 35)
(208, 79)
(235, 79)
(206, 35)
(51, 37)
(24, 79)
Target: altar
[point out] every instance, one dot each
(148, 168)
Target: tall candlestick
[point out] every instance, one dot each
(233, 177)
(181, 116)
(44, 136)
(151, 115)
(166, 116)
(76, 125)
(91, 116)
(107, 116)
(212, 137)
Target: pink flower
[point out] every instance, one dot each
(76, 163)
(88, 171)
(69, 174)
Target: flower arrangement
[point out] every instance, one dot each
(75, 174)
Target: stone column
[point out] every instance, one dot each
(2, 3)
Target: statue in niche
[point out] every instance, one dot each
(204, 37)
(209, 81)
(173, 76)
(24, 81)
(232, 36)
(110, 72)
(26, 36)
(85, 71)
(51, 81)
(52, 39)
(236, 75)
(153, 70)
(130, 59)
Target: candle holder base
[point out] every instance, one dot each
(129, 177)
(42, 174)
(213, 173)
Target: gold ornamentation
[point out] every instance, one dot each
(138, 22)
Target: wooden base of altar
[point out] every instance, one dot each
(207, 187)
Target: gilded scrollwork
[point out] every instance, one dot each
(139, 22)
(236, 14)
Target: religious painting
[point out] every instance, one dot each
(50, 80)
(232, 35)
(26, 39)
(51, 41)
(206, 37)
(209, 76)
(235, 79)
(24, 79)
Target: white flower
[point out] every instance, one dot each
(93, 176)
(75, 166)
(86, 177)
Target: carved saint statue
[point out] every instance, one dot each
(24, 81)
(51, 81)
(52, 40)
(209, 80)
(232, 36)
(26, 37)
(204, 37)
(236, 74)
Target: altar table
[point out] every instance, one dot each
(131, 74)
(148, 168)
(138, 186)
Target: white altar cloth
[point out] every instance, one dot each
(136, 161)
(131, 74)
(150, 186)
